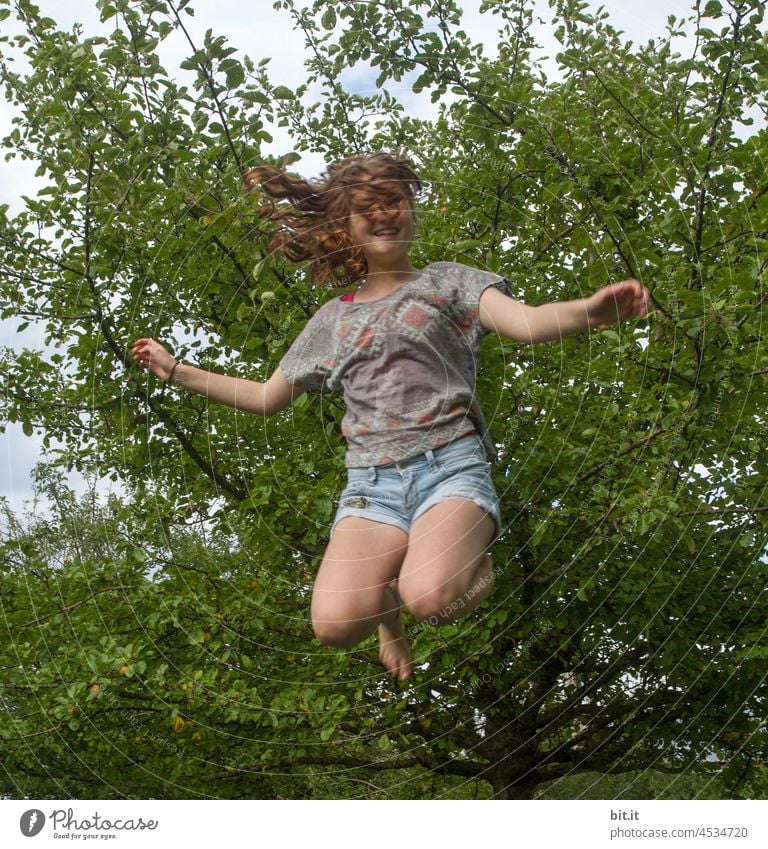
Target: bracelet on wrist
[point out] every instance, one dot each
(170, 376)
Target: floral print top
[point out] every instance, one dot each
(405, 363)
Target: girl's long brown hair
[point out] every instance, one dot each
(314, 224)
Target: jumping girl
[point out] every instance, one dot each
(419, 510)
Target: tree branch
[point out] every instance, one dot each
(207, 74)
(466, 769)
(711, 141)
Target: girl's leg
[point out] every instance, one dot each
(352, 595)
(394, 650)
(446, 572)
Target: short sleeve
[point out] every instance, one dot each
(474, 282)
(470, 285)
(309, 361)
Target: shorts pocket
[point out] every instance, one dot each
(354, 488)
(463, 454)
(358, 477)
(357, 488)
(351, 499)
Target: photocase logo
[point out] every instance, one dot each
(32, 822)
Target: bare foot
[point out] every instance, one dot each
(394, 652)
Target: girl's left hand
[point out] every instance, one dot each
(628, 299)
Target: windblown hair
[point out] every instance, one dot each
(314, 224)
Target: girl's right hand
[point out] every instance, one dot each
(151, 355)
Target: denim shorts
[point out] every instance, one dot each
(398, 493)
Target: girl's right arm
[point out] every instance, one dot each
(248, 395)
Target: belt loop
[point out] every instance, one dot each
(372, 475)
(430, 455)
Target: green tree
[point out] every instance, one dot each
(627, 631)
(141, 661)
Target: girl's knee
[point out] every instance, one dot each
(437, 603)
(431, 604)
(339, 633)
(343, 626)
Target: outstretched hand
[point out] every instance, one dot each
(151, 355)
(628, 299)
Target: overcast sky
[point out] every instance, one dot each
(258, 30)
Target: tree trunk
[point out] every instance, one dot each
(506, 786)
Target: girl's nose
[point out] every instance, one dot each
(382, 211)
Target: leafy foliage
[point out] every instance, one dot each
(627, 630)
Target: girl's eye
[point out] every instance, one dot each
(360, 206)
(391, 205)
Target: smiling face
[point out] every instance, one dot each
(381, 223)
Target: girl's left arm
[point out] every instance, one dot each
(523, 323)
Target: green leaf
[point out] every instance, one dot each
(328, 20)
(136, 554)
(200, 120)
(468, 245)
(235, 74)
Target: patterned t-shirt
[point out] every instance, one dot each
(406, 363)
